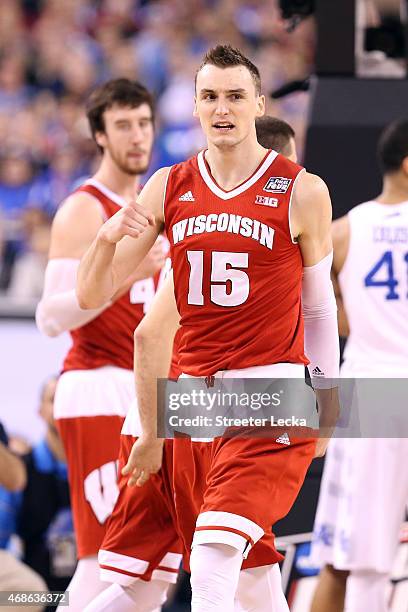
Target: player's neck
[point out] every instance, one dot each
(395, 190)
(231, 167)
(124, 185)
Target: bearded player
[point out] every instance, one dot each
(96, 386)
(250, 234)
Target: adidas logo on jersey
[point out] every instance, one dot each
(317, 372)
(187, 197)
(283, 439)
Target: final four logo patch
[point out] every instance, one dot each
(277, 184)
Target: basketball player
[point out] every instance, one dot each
(276, 134)
(119, 551)
(358, 520)
(96, 387)
(238, 285)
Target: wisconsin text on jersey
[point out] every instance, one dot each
(224, 222)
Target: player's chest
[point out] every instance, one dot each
(250, 222)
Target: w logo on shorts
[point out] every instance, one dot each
(101, 490)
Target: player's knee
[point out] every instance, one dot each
(147, 596)
(214, 575)
(260, 589)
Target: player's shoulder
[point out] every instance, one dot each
(340, 229)
(311, 195)
(363, 209)
(75, 225)
(188, 166)
(286, 166)
(310, 185)
(158, 180)
(79, 205)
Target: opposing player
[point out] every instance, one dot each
(364, 490)
(245, 225)
(119, 550)
(96, 387)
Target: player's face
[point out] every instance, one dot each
(128, 137)
(227, 104)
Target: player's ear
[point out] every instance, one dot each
(260, 105)
(100, 138)
(404, 165)
(195, 112)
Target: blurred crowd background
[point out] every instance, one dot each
(53, 53)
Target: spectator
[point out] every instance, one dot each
(40, 513)
(14, 91)
(52, 52)
(29, 268)
(14, 575)
(12, 470)
(16, 176)
(56, 183)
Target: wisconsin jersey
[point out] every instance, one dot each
(237, 270)
(108, 339)
(374, 286)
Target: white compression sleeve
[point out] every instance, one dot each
(59, 310)
(321, 330)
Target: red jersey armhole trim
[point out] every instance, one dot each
(165, 195)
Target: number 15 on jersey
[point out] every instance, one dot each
(229, 283)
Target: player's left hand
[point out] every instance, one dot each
(145, 459)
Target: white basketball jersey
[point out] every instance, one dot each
(374, 286)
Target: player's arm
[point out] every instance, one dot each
(311, 221)
(74, 227)
(341, 237)
(121, 243)
(154, 339)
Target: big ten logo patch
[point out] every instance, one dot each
(267, 201)
(101, 490)
(277, 184)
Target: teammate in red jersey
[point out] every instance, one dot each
(251, 245)
(274, 133)
(96, 387)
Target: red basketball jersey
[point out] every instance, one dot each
(108, 339)
(237, 270)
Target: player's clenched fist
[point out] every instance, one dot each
(131, 220)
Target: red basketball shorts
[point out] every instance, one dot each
(229, 490)
(90, 406)
(141, 540)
